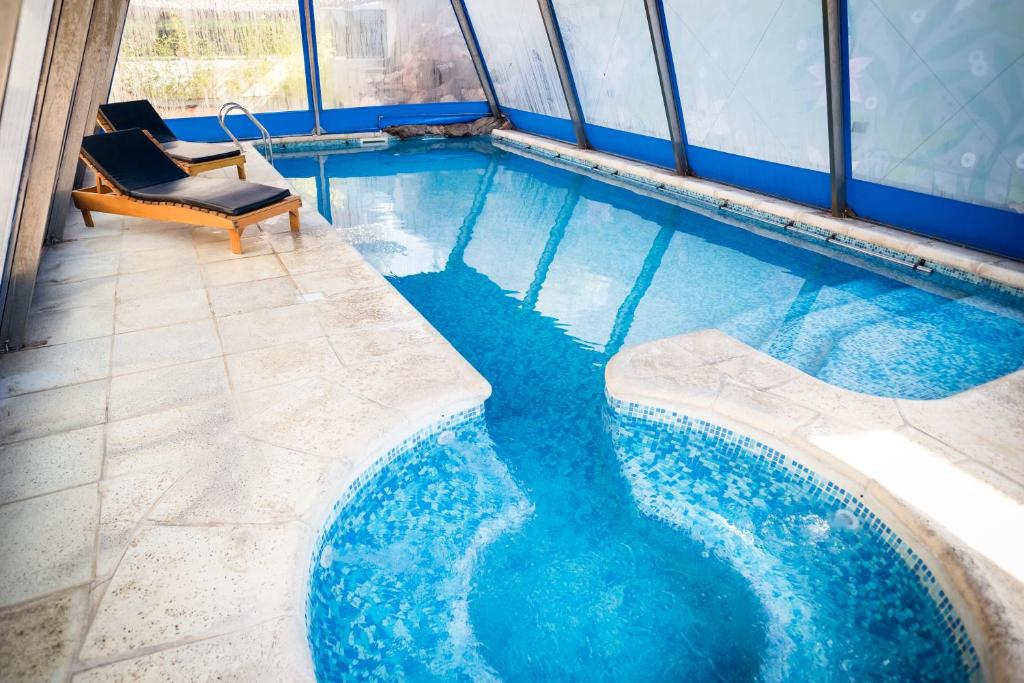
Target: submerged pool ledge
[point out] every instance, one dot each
(941, 474)
(951, 260)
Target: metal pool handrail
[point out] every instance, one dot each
(229, 107)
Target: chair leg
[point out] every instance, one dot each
(87, 217)
(236, 240)
(293, 220)
(241, 170)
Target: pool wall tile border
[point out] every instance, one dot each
(914, 464)
(817, 486)
(850, 235)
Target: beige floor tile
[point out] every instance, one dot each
(330, 257)
(47, 543)
(55, 269)
(158, 282)
(171, 440)
(38, 466)
(47, 633)
(48, 367)
(78, 248)
(181, 254)
(324, 419)
(95, 292)
(273, 652)
(53, 411)
(181, 583)
(250, 296)
(252, 245)
(161, 310)
(359, 345)
(338, 280)
(279, 364)
(272, 327)
(124, 504)
(162, 346)
(247, 483)
(155, 390)
(70, 324)
(368, 307)
(140, 240)
(231, 272)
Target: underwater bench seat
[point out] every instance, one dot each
(194, 157)
(135, 177)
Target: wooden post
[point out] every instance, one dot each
(60, 73)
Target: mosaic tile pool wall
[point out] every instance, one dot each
(793, 535)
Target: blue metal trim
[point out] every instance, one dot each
(479, 55)
(981, 227)
(206, 128)
(631, 145)
(354, 120)
(844, 28)
(303, 31)
(315, 58)
(675, 77)
(541, 124)
(779, 180)
(363, 119)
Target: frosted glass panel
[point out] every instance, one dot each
(752, 77)
(189, 57)
(18, 103)
(392, 52)
(612, 61)
(515, 47)
(937, 90)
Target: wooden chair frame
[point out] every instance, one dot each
(191, 168)
(105, 198)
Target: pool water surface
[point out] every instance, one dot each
(544, 539)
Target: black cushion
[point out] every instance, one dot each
(137, 114)
(130, 160)
(227, 195)
(196, 152)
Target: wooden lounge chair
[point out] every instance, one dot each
(135, 177)
(194, 157)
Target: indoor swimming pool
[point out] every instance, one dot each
(548, 538)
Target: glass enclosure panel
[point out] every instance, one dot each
(612, 61)
(752, 77)
(16, 115)
(936, 95)
(518, 55)
(189, 57)
(392, 52)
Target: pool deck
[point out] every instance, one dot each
(170, 449)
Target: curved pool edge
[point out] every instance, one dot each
(415, 424)
(875, 448)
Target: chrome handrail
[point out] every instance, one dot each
(229, 107)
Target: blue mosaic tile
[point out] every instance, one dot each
(681, 467)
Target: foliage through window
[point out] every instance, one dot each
(190, 56)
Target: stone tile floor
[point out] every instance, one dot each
(173, 441)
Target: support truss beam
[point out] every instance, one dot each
(473, 45)
(572, 100)
(831, 13)
(669, 89)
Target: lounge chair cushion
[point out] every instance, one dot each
(227, 195)
(197, 152)
(130, 160)
(137, 114)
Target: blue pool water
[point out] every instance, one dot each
(548, 540)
